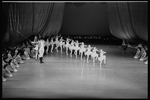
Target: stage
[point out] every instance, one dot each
(61, 76)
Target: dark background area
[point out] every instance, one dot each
(88, 19)
(88, 23)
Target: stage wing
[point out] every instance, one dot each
(129, 20)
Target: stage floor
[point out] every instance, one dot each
(64, 77)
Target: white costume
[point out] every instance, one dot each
(88, 53)
(41, 48)
(102, 57)
(61, 43)
(52, 45)
(67, 45)
(94, 55)
(76, 48)
(47, 45)
(82, 50)
(71, 48)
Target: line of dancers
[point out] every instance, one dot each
(72, 47)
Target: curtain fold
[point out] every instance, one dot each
(128, 20)
(139, 16)
(28, 19)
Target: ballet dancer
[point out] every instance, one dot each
(47, 45)
(88, 52)
(71, 47)
(35, 43)
(57, 42)
(82, 49)
(67, 45)
(143, 54)
(125, 45)
(26, 54)
(61, 43)
(94, 54)
(138, 53)
(102, 57)
(17, 57)
(76, 48)
(41, 49)
(11, 61)
(52, 44)
(6, 71)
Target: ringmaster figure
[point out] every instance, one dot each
(41, 49)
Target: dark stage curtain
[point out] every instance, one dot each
(28, 19)
(128, 21)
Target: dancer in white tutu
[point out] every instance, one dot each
(52, 44)
(88, 52)
(57, 42)
(102, 57)
(47, 44)
(61, 43)
(82, 49)
(94, 54)
(71, 47)
(67, 45)
(76, 48)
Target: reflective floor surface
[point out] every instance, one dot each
(61, 76)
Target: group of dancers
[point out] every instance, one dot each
(142, 51)
(72, 47)
(12, 58)
(10, 62)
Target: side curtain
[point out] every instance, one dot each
(27, 19)
(139, 16)
(125, 22)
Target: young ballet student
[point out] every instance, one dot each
(94, 55)
(88, 52)
(82, 49)
(102, 57)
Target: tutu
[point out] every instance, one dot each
(82, 50)
(88, 53)
(94, 55)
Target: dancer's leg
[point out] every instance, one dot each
(71, 53)
(52, 48)
(87, 58)
(104, 59)
(47, 49)
(61, 48)
(81, 55)
(100, 63)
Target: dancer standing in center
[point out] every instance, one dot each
(41, 49)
